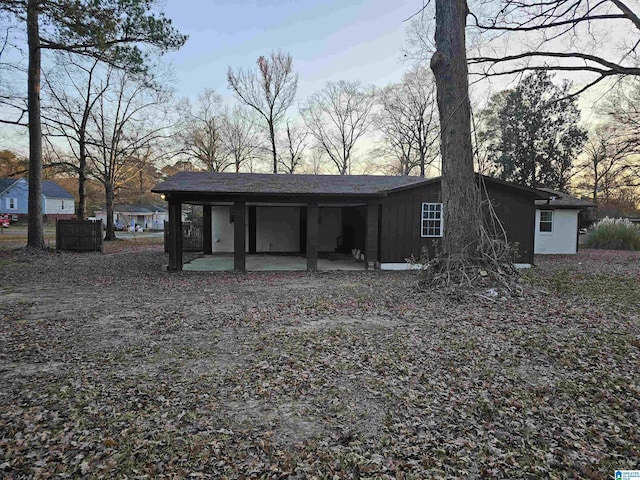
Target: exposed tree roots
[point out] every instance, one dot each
(487, 277)
(484, 269)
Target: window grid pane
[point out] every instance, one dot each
(431, 219)
(546, 221)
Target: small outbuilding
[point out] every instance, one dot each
(388, 218)
(557, 222)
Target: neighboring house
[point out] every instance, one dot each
(57, 203)
(389, 219)
(148, 217)
(557, 226)
(14, 197)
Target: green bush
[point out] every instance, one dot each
(615, 234)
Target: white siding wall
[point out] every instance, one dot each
(277, 229)
(563, 238)
(59, 206)
(330, 228)
(222, 229)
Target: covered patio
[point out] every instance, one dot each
(359, 197)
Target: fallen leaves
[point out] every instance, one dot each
(112, 368)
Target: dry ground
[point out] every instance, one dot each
(110, 367)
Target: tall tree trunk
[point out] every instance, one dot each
(35, 231)
(110, 233)
(272, 135)
(460, 195)
(82, 180)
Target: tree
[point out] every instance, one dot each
(126, 127)
(294, 143)
(337, 117)
(241, 137)
(609, 164)
(202, 133)
(12, 165)
(108, 30)
(460, 196)
(409, 122)
(533, 132)
(68, 113)
(270, 91)
(562, 36)
(179, 166)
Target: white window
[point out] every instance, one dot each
(432, 220)
(12, 203)
(546, 221)
(61, 204)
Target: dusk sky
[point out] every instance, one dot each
(328, 39)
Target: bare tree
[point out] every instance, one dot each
(560, 35)
(269, 91)
(126, 124)
(315, 162)
(67, 113)
(621, 109)
(13, 99)
(294, 142)
(241, 138)
(337, 117)
(202, 132)
(409, 121)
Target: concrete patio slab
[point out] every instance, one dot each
(271, 263)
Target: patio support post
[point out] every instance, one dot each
(207, 236)
(371, 239)
(312, 237)
(175, 235)
(239, 243)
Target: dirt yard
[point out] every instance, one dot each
(110, 367)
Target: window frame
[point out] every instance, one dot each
(546, 222)
(12, 203)
(431, 223)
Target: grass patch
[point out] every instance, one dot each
(620, 291)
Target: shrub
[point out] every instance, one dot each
(615, 234)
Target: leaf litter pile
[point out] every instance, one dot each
(112, 368)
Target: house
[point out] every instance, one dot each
(387, 218)
(14, 193)
(557, 226)
(57, 203)
(148, 217)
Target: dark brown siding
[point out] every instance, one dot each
(400, 235)
(517, 214)
(400, 224)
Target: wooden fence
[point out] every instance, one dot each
(79, 235)
(191, 237)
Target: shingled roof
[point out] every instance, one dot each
(53, 190)
(269, 184)
(6, 183)
(563, 200)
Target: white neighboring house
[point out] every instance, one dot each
(147, 217)
(57, 203)
(557, 223)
